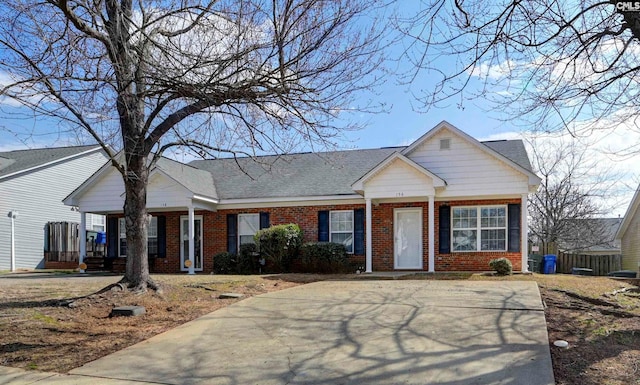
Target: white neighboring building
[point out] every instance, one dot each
(33, 183)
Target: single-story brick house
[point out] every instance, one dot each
(447, 202)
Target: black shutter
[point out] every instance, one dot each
(112, 237)
(232, 233)
(264, 220)
(444, 230)
(162, 236)
(514, 227)
(323, 226)
(358, 231)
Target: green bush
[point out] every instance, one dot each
(502, 266)
(279, 244)
(224, 263)
(324, 257)
(247, 259)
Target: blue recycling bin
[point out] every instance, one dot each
(101, 238)
(549, 264)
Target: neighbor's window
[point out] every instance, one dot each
(479, 228)
(248, 226)
(95, 222)
(341, 228)
(152, 237)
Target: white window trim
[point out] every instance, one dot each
(479, 229)
(239, 234)
(352, 232)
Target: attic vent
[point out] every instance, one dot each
(445, 144)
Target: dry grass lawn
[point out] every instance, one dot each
(54, 324)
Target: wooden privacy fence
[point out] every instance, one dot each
(61, 242)
(600, 264)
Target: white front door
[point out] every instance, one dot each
(407, 229)
(197, 242)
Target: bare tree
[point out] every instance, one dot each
(241, 76)
(556, 64)
(574, 190)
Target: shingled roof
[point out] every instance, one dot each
(12, 162)
(197, 181)
(314, 174)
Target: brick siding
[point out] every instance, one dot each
(215, 235)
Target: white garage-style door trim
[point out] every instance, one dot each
(407, 238)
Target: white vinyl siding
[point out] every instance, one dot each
(37, 196)
(399, 180)
(482, 228)
(630, 244)
(248, 226)
(341, 228)
(468, 170)
(107, 194)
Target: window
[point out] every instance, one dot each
(479, 228)
(152, 237)
(122, 245)
(248, 226)
(341, 228)
(95, 222)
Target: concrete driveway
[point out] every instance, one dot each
(353, 332)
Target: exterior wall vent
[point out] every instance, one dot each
(445, 144)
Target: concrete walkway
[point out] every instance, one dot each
(369, 332)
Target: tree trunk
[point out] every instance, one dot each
(135, 211)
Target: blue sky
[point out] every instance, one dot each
(402, 124)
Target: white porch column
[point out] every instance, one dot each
(524, 227)
(432, 232)
(191, 241)
(82, 233)
(368, 246)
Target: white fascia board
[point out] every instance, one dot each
(478, 197)
(205, 199)
(290, 201)
(26, 170)
(632, 210)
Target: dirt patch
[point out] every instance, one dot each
(43, 327)
(597, 316)
(603, 337)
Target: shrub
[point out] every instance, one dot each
(247, 259)
(224, 263)
(279, 244)
(502, 266)
(324, 257)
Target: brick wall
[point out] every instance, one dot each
(473, 261)
(215, 235)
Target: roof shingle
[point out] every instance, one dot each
(12, 162)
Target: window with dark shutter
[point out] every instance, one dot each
(444, 230)
(232, 233)
(162, 236)
(358, 231)
(323, 226)
(264, 220)
(514, 227)
(112, 237)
